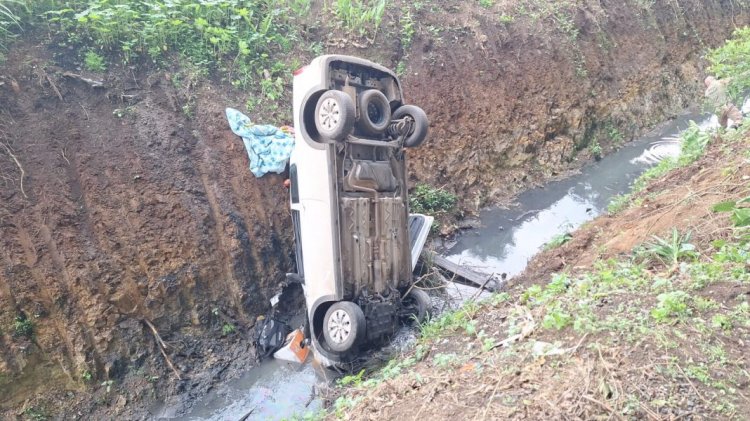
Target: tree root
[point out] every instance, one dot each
(20, 167)
(162, 347)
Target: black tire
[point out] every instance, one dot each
(421, 124)
(420, 302)
(334, 115)
(374, 112)
(344, 326)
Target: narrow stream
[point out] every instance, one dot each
(510, 237)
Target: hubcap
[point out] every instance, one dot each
(330, 114)
(339, 326)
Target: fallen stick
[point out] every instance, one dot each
(162, 347)
(91, 82)
(20, 167)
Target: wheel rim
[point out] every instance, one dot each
(330, 114)
(339, 326)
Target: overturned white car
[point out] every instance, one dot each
(356, 243)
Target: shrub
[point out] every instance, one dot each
(431, 200)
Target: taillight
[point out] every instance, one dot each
(299, 71)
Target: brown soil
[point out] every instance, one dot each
(602, 375)
(150, 216)
(122, 209)
(514, 103)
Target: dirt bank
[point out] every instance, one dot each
(133, 204)
(606, 326)
(130, 212)
(516, 93)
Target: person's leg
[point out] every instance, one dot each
(723, 116)
(734, 114)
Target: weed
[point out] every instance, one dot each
(360, 16)
(730, 61)
(352, 379)
(87, 376)
(23, 327)
(671, 251)
(227, 329)
(444, 360)
(506, 18)
(431, 200)
(618, 203)
(486, 3)
(407, 29)
(558, 241)
(595, 149)
(671, 305)
(556, 318)
(36, 413)
(740, 215)
(94, 62)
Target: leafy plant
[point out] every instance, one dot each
(670, 251)
(23, 327)
(558, 240)
(740, 215)
(556, 318)
(360, 16)
(431, 200)
(94, 62)
(596, 149)
(671, 304)
(228, 329)
(730, 62)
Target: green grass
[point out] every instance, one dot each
(731, 61)
(233, 37)
(94, 62)
(431, 200)
(360, 17)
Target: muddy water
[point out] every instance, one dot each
(278, 390)
(510, 237)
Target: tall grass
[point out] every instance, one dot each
(732, 61)
(360, 16)
(9, 20)
(237, 37)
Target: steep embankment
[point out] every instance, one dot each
(518, 91)
(132, 203)
(129, 212)
(643, 314)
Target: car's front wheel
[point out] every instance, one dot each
(343, 326)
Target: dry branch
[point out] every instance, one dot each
(91, 82)
(162, 347)
(20, 167)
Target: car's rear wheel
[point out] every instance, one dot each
(418, 124)
(343, 326)
(334, 115)
(419, 304)
(374, 112)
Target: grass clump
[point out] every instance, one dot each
(730, 62)
(359, 16)
(431, 200)
(231, 36)
(23, 327)
(94, 62)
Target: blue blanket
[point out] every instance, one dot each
(268, 147)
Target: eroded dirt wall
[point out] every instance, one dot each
(129, 212)
(515, 102)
